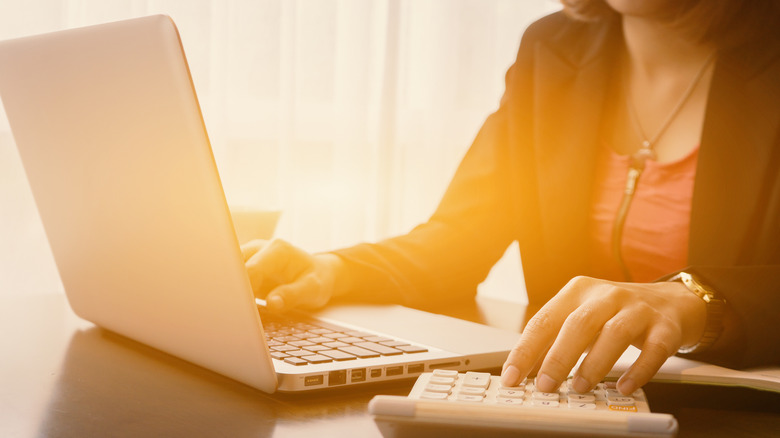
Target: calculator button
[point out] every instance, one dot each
(445, 373)
(476, 379)
(622, 408)
(621, 401)
(582, 406)
(546, 403)
(471, 390)
(545, 396)
(520, 387)
(434, 395)
(581, 398)
(438, 388)
(470, 398)
(509, 401)
(510, 393)
(436, 380)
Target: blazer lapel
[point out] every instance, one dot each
(738, 146)
(571, 84)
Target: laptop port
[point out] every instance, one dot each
(313, 380)
(376, 372)
(415, 368)
(337, 377)
(445, 365)
(359, 375)
(394, 371)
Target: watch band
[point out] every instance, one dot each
(713, 326)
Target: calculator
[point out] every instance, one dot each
(480, 403)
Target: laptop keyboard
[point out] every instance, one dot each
(298, 340)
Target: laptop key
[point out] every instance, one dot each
(295, 361)
(279, 355)
(301, 343)
(411, 349)
(359, 352)
(393, 343)
(316, 358)
(357, 334)
(321, 331)
(351, 340)
(337, 354)
(381, 349)
(334, 344)
(376, 339)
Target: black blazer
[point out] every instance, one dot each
(529, 175)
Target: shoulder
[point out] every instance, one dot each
(559, 29)
(572, 39)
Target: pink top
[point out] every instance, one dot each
(655, 234)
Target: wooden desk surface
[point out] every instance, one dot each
(62, 376)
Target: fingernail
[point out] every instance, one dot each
(275, 303)
(545, 383)
(510, 376)
(626, 386)
(580, 385)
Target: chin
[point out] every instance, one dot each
(644, 8)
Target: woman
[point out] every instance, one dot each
(636, 139)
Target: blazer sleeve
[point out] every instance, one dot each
(752, 295)
(448, 256)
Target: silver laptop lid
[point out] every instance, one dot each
(111, 136)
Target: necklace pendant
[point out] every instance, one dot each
(645, 152)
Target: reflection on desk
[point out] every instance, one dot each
(63, 377)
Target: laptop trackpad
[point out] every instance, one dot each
(446, 333)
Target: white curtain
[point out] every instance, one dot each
(349, 116)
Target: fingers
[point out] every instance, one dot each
(660, 344)
(542, 329)
(607, 317)
(577, 333)
(538, 335)
(301, 293)
(251, 248)
(617, 334)
(274, 263)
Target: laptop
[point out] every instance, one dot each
(114, 147)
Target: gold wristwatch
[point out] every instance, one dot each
(715, 306)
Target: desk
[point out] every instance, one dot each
(61, 376)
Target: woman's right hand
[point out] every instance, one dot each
(288, 277)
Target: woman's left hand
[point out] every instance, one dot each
(606, 316)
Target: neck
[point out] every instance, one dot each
(654, 48)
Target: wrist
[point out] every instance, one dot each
(335, 266)
(714, 307)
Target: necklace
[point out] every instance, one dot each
(640, 157)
